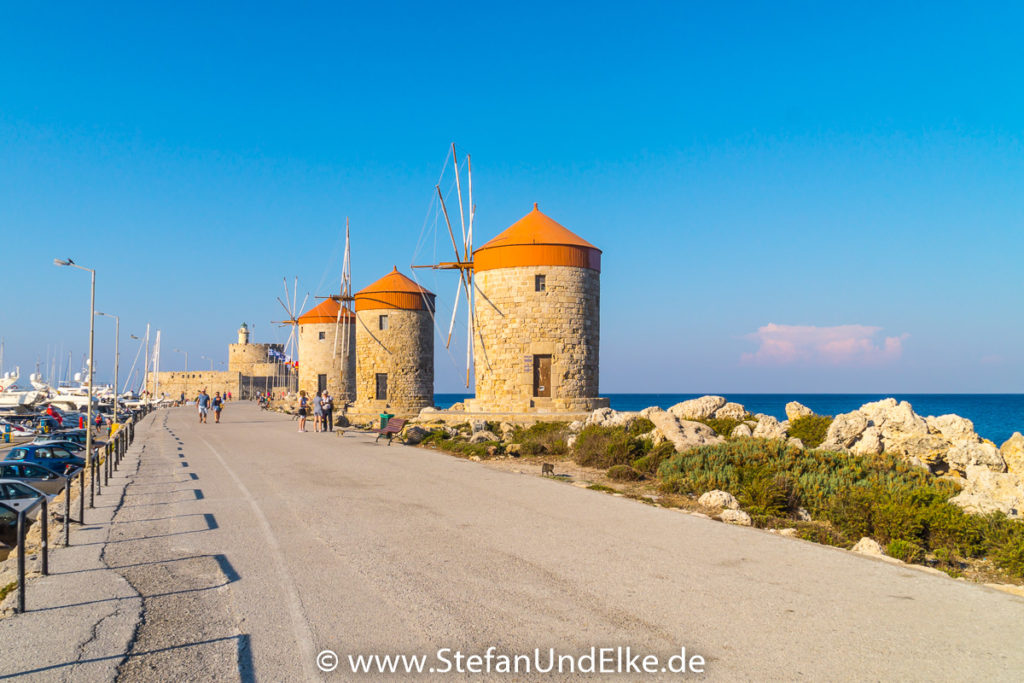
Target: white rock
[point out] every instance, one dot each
(769, 428)
(869, 443)
(894, 419)
(953, 427)
(741, 431)
(795, 443)
(738, 517)
(717, 499)
(795, 409)
(986, 491)
(788, 533)
(482, 436)
(683, 434)
(606, 417)
(803, 515)
(414, 435)
(844, 431)
(731, 410)
(1012, 451)
(868, 546)
(697, 408)
(576, 426)
(965, 454)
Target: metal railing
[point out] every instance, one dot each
(115, 450)
(45, 551)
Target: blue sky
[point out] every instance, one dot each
(790, 197)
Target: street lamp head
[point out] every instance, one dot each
(61, 262)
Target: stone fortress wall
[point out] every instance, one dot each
(515, 322)
(172, 384)
(405, 351)
(318, 356)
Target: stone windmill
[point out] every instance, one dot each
(534, 294)
(327, 339)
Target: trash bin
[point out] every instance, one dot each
(384, 417)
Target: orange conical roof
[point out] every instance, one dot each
(325, 312)
(536, 240)
(394, 290)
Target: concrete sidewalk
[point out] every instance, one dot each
(89, 606)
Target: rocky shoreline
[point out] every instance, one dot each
(991, 476)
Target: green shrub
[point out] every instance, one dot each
(624, 473)
(457, 445)
(810, 429)
(605, 447)
(641, 425)
(542, 438)
(905, 550)
(602, 487)
(649, 463)
(723, 426)
(877, 496)
(767, 494)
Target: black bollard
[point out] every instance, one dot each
(21, 561)
(81, 496)
(46, 536)
(67, 510)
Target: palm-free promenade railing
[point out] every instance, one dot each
(115, 450)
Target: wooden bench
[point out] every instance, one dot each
(394, 426)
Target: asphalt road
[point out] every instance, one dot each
(255, 547)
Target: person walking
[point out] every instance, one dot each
(303, 409)
(327, 403)
(203, 402)
(318, 413)
(218, 404)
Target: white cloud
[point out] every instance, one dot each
(811, 345)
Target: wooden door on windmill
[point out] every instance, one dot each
(542, 376)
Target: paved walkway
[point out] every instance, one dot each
(241, 550)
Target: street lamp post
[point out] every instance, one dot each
(92, 331)
(117, 354)
(186, 370)
(211, 362)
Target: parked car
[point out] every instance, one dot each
(76, 435)
(55, 440)
(8, 527)
(56, 458)
(36, 476)
(20, 495)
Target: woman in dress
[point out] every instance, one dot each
(303, 410)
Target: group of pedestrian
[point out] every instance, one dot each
(204, 403)
(323, 411)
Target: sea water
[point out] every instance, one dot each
(995, 416)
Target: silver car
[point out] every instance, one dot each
(19, 495)
(36, 476)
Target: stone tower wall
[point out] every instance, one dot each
(515, 322)
(317, 356)
(243, 358)
(405, 351)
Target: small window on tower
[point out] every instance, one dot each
(382, 322)
(539, 283)
(323, 335)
